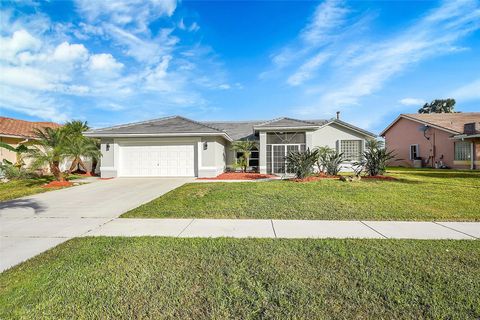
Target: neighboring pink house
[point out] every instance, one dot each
(435, 140)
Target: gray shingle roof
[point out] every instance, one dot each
(175, 124)
(237, 130)
(285, 123)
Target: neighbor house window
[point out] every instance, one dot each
(463, 151)
(414, 152)
(351, 149)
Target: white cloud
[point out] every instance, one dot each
(67, 52)
(470, 91)
(328, 16)
(136, 13)
(224, 86)
(306, 70)
(104, 62)
(194, 27)
(19, 42)
(412, 101)
(369, 67)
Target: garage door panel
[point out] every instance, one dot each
(157, 161)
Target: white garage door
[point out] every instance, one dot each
(157, 161)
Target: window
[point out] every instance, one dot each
(463, 151)
(253, 161)
(414, 152)
(351, 149)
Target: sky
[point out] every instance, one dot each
(112, 62)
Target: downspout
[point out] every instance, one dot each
(473, 156)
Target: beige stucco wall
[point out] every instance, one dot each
(7, 154)
(440, 146)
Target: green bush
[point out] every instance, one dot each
(333, 162)
(12, 172)
(301, 163)
(374, 159)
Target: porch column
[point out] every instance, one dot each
(309, 140)
(263, 152)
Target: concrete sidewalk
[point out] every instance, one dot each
(33, 224)
(243, 228)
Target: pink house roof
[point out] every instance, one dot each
(450, 122)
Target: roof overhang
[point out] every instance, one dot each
(416, 120)
(285, 128)
(351, 127)
(466, 136)
(15, 136)
(93, 134)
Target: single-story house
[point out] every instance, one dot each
(435, 140)
(15, 132)
(177, 146)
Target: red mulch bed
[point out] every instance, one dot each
(380, 178)
(58, 184)
(239, 176)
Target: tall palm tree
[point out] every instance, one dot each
(78, 147)
(75, 127)
(245, 147)
(49, 149)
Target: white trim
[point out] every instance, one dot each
(107, 168)
(348, 127)
(139, 135)
(285, 128)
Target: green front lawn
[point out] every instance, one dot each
(21, 188)
(424, 194)
(167, 278)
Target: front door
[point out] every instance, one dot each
(278, 157)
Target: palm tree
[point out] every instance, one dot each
(245, 147)
(78, 147)
(75, 127)
(49, 149)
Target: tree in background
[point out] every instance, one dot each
(439, 106)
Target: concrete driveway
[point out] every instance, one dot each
(31, 225)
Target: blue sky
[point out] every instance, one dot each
(110, 62)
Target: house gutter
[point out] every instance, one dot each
(153, 135)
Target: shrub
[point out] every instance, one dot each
(301, 163)
(375, 158)
(12, 172)
(333, 162)
(323, 154)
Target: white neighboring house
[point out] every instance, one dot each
(179, 147)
